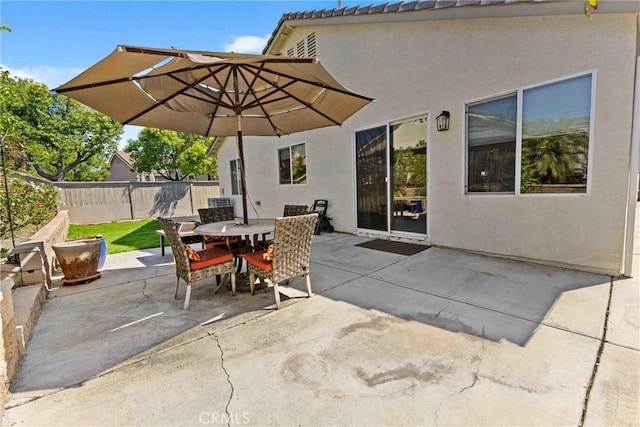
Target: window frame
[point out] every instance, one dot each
(518, 159)
(291, 177)
(235, 163)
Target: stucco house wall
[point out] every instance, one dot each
(424, 67)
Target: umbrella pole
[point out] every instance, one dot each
(242, 175)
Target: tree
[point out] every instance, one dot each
(409, 166)
(61, 138)
(173, 155)
(556, 152)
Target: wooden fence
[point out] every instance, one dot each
(96, 202)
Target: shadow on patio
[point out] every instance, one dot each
(493, 298)
(87, 330)
(91, 329)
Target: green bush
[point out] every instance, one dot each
(31, 204)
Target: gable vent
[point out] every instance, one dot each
(300, 48)
(290, 52)
(311, 45)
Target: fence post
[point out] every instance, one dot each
(129, 186)
(191, 196)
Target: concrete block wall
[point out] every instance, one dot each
(10, 345)
(36, 254)
(54, 232)
(20, 307)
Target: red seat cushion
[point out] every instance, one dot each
(209, 257)
(255, 258)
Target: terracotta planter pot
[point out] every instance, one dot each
(79, 259)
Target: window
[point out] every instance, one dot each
(552, 147)
(292, 164)
(491, 145)
(234, 167)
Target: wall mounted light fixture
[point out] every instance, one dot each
(442, 121)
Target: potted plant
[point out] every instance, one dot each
(80, 259)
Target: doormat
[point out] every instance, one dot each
(400, 248)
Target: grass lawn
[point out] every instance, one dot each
(121, 236)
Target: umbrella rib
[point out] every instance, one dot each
(210, 99)
(163, 101)
(250, 89)
(315, 83)
(221, 86)
(308, 105)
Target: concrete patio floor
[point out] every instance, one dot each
(442, 337)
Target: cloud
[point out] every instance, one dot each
(51, 76)
(247, 44)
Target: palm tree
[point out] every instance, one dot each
(555, 156)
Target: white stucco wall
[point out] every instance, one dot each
(426, 67)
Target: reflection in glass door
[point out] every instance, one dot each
(391, 177)
(371, 173)
(408, 149)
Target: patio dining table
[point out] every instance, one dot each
(228, 229)
(255, 228)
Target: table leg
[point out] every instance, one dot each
(162, 245)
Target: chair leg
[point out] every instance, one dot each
(233, 284)
(276, 293)
(186, 299)
(309, 293)
(177, 284)
(252, 282)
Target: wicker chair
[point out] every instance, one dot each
(289, 210)
(213, 262)
(225, 213)
(293, 210)
(208, 215)
(291, 249)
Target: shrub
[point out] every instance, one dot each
(31, 204)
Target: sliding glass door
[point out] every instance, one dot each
(391, 177)
(371, 177)
(409, 175)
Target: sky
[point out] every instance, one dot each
(53, 41)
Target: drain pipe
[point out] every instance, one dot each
(632, 196)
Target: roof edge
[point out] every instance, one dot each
(426, 10)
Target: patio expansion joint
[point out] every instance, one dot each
(96, 289)
(596, 364)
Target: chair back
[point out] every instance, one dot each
(177, 247)
(320, 206)
(292, 246)
(293, 210)
(209, 215)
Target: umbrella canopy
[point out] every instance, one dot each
(214, 94)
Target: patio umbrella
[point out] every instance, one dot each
(214, 94)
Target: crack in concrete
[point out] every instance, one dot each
(143, 294)
(474, 381)
(596, 364)
(226, 408)
(123, 314)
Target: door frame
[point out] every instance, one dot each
(389, 191)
